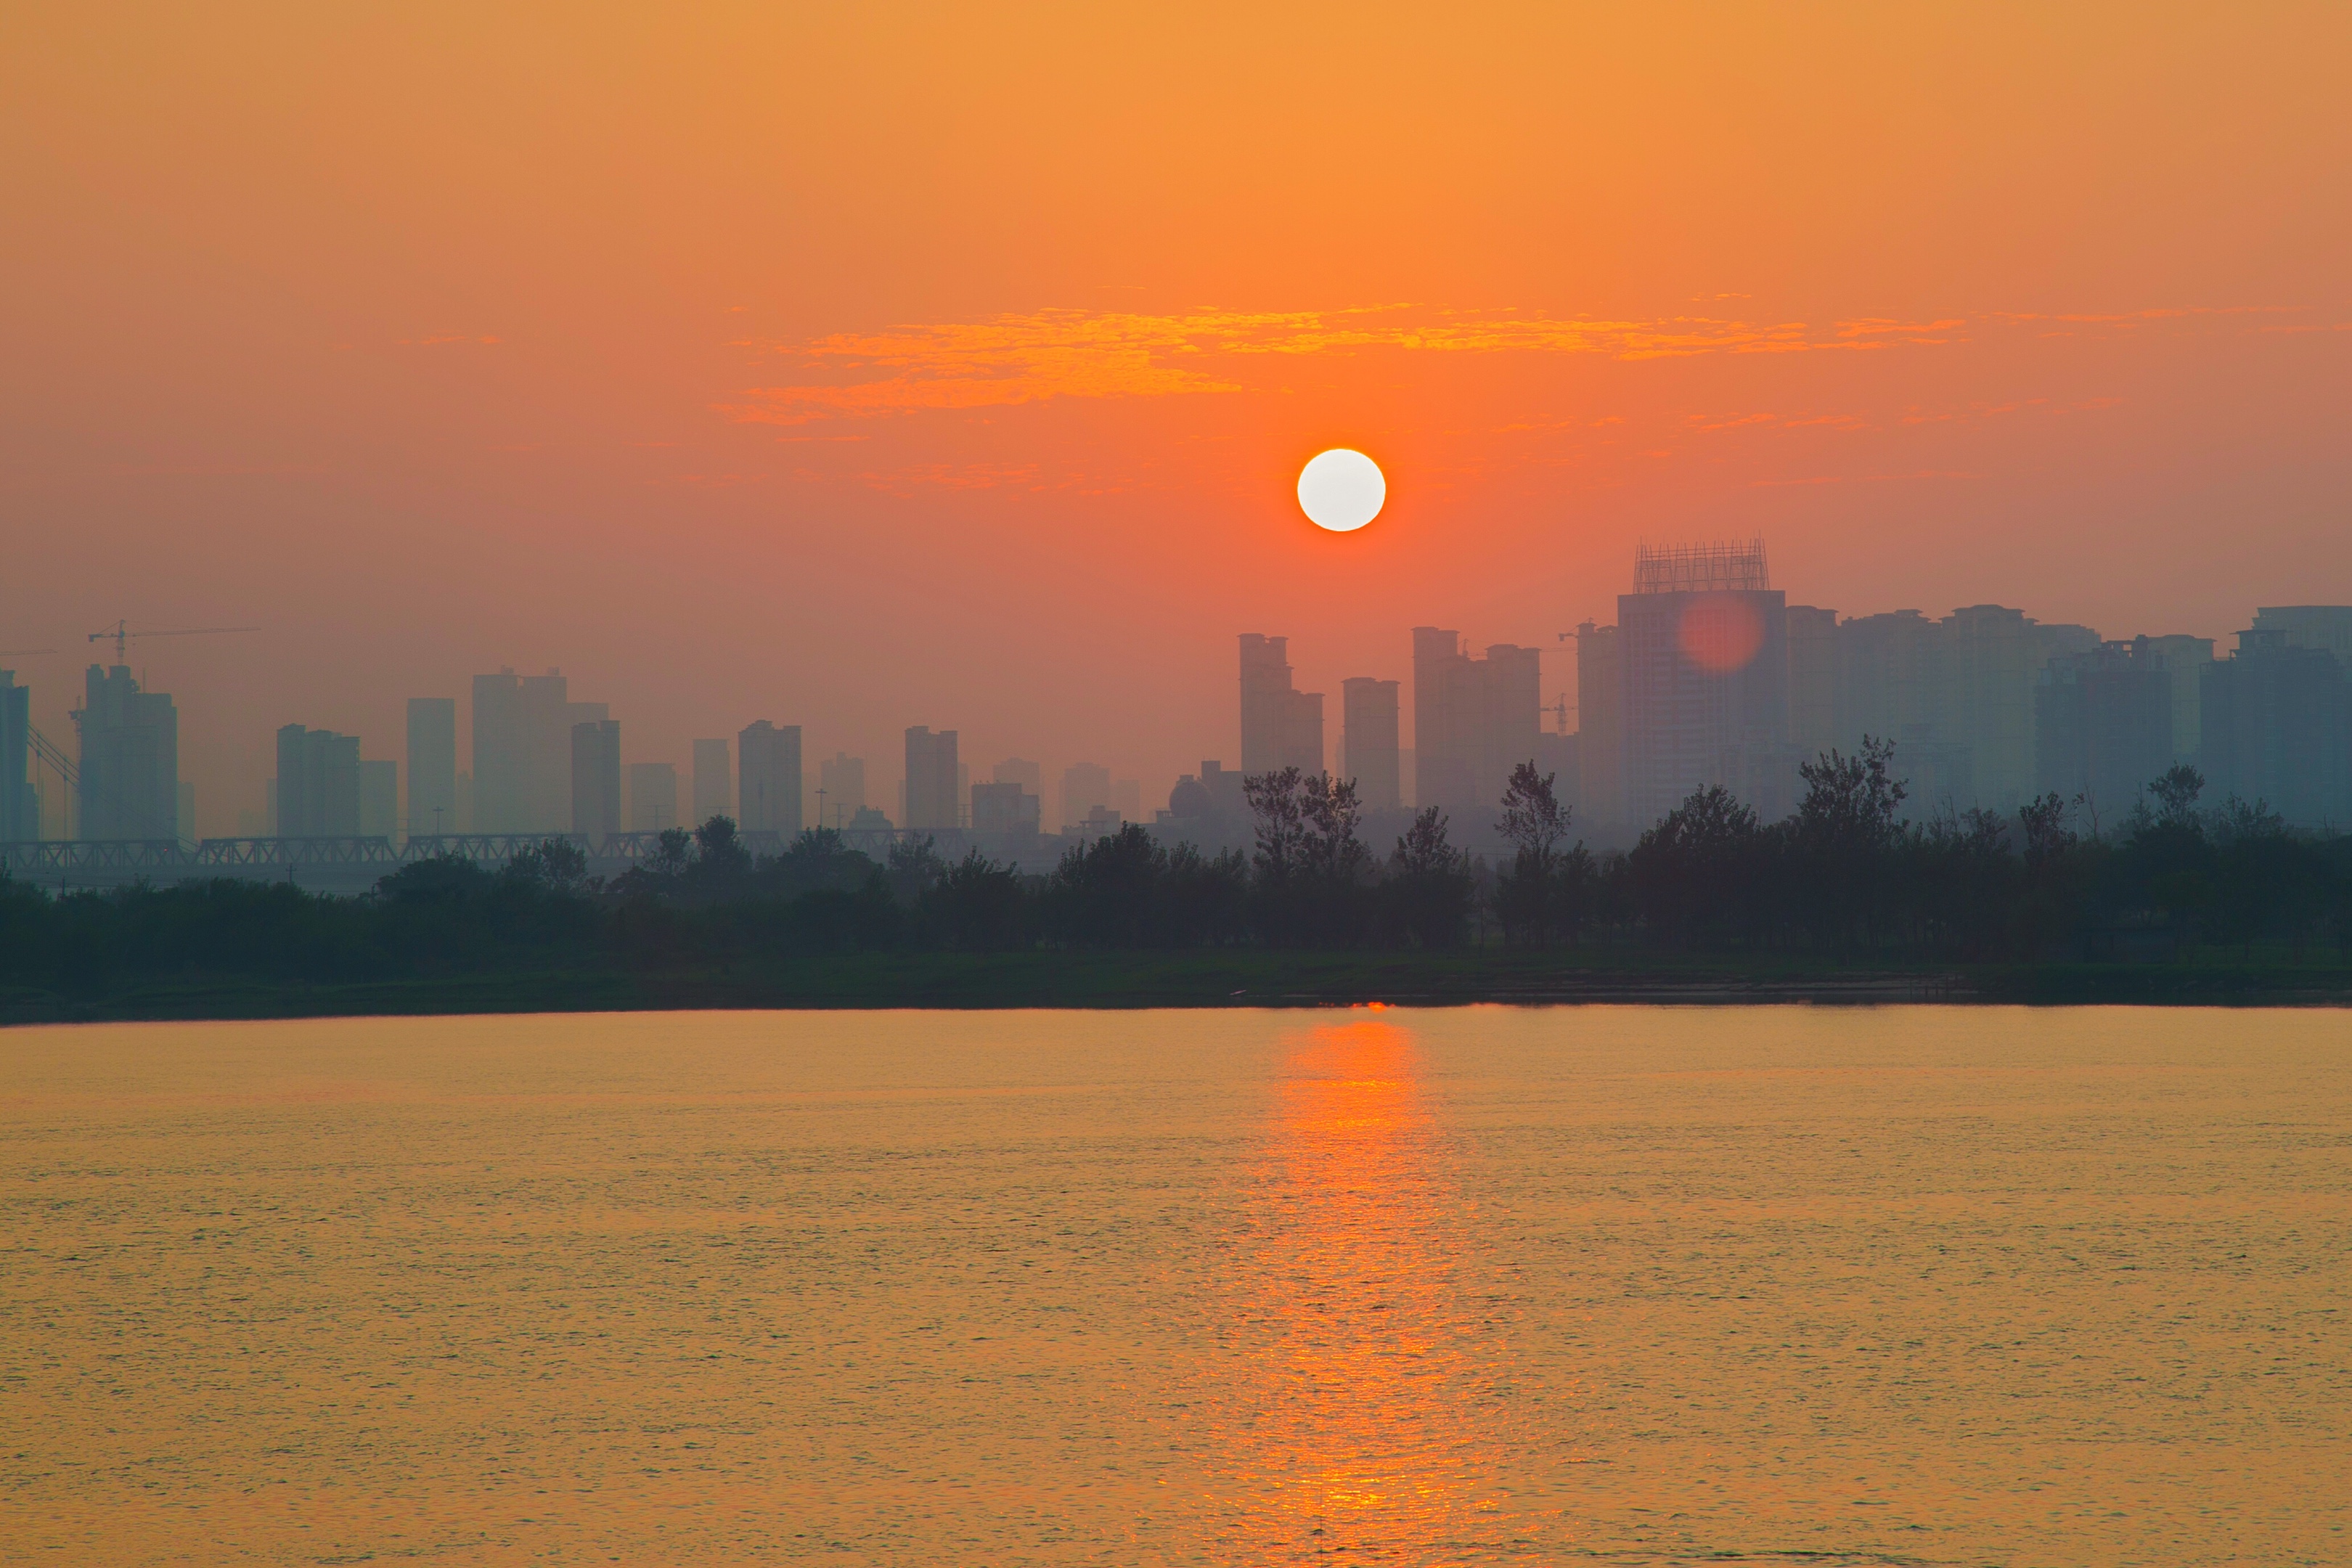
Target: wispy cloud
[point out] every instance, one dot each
(1085, 353)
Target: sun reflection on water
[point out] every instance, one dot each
(1361, 1413)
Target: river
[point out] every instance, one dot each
(1368, 1286)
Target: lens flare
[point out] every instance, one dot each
(1720, 632)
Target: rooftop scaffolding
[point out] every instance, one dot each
(1699, 568)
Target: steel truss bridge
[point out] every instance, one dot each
(158, 859)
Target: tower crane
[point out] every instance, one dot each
(122, 633)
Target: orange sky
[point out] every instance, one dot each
(860, 367)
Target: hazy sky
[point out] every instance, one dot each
(866, 366)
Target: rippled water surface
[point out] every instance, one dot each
(1375, 1286)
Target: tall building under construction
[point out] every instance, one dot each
(129, 759)
(1704, 645)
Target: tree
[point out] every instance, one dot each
(977, 905)
(1844, 840)
(672, 851)
(1697, 867)
(1529, 898)
(1428, 888)
(2175, 792)
(552, 864)
(1533, 819)
(914, 866)
(1274, 800)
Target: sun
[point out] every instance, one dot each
(1341, 490)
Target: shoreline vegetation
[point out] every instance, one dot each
(1843, 902)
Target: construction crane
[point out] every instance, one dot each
(122, 633)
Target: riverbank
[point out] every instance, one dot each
(1196, 979)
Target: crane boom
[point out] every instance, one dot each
(122, 633)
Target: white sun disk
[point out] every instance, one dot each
(1341, 490)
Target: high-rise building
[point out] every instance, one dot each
(653, 797)
(1473, 720)
(1887, 682)
(1004, 807)
(1021, 771)
(1813, 679)
(2183, 658)
(841, 779)
(2276, 726)
(595, 777)
(432, 765)
(20, 811)
(931, 774)
(1704, 641)
(498, 769)
(2102, 728)
(379, 798)
(129, 759)
(1600, 726)
(318, 784)
(1990, 657)
(713, 787)
(768, 763)
(1282, 727)
(2327, 626)
(1085, 788)
(1368, 742)
(548, 717)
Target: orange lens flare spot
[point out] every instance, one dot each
(1720, 632)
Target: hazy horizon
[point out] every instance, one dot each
(860, 371)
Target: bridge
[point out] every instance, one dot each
(352, 863)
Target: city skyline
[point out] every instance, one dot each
(2046, 314)
(1447, 734)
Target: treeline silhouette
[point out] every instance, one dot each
(1846, 879)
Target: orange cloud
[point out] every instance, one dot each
(1083, 354)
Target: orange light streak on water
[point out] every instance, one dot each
(1364, 1420)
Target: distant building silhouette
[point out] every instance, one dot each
(1020, 771)
(843, 779)
(930, 779)
(1600, 726)
(1704, 644)
(318, 784)
(499, 768)
(2276, 728)
(595, 770)
(653, 797)
(1208, 809)
(1473, 720)
(1813, 679)
(129, 759)
(432, 764)
(2325, 626)
(1004, 807)
(20, 809)
(1992, 656)
(1085, 787)
(767, 764)
(379, 798)
(2183, 659)
(1282, 727)
(2102, 727)
(714, 794)
(1367, 740)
